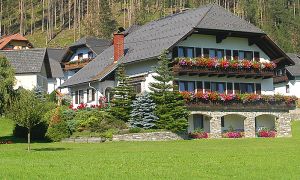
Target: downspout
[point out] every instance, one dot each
(97, 100)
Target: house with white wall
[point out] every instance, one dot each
(32, 67)
(210, 50)
(287, 79)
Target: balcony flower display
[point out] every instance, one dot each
(224, 64)
(215, 97)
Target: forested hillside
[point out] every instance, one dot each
(57, 23)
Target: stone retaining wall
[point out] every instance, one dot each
(295, 114)
(151, 136)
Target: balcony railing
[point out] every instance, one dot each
(229, 68)
(280, 79)
(76, 64)
(240, 102)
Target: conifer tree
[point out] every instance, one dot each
(170, 107)
(122, 96)
(142, 114)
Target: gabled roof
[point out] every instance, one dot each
(14, 37)
(28, 61)
(294, 70)
(149, 40)
(55, 57)
(95, 44)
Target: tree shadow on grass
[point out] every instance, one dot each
(16, 140)
(50, 149)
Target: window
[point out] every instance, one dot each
(229, 88)
(198, 121)
(79, 97)
(258, 88)
(205, 52)
(108, 94)
(214, 53)
(247, 88)
(287, 88)
(90, 54)
(137, 87)
(248, 55)
(90, 95)
(187, 86)
(218, 87)
(80, 56)
(235, 54)
(186, 52)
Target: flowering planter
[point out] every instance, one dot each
(199, 135)
(233, 134)
(266, 133)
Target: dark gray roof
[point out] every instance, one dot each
(149, 40)
(294, 70)
(95, 44)
(26, 61)
(55, 58)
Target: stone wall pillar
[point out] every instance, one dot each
(283, 125)
(249, 125)
(215, 127)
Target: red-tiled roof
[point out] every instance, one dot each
(6, 39)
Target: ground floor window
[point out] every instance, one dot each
(90, 95)
(79, 97)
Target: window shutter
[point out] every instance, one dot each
(235, 54)
(256, 56)
(207, 86)
(228, 54)
(175, 52)
(76, 97)
(236, 88)
(88, 95)
(258, 88)
(206, 53)
(199, 86)
(198, 52)
(229, 88)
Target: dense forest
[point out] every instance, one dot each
(61, 22)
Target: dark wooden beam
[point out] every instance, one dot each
(221, 37)
(278, 60)
(211, 75)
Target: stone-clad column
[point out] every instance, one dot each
(284, 125)
(215, 126)
(249, 125)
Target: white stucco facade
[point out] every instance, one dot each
(290, 88)
(82, 50)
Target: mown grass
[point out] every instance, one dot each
(277, 158)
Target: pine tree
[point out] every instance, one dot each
(106, 23)
(170, 107)
(7, 79)
(122, 96)
(142, 114)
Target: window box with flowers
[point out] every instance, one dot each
(266, 133)
(209, 100)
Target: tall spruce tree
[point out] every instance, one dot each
(7, 80)
(122, 96)
(170, 107)
(142, 114)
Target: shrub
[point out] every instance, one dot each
(135, 130)
(266, 133)
(58, 131)
(232, 134)
(199, 134)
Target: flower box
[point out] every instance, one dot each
(233, 134)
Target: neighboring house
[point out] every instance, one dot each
(209, 32)
(14, 41)
(32, 68)
(80, 54)
(287, 79)
(55, 58)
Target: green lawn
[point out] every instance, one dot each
(196, 159)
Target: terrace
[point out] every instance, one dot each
(76, 64)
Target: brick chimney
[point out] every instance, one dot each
(118, 46)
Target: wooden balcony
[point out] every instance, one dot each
(232, 106)
(202, 71)
(280, 79)
(76, 64)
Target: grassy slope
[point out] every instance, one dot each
(220, 159)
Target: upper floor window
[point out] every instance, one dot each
(187, 86)
(213, 53)
(186, 52)
(80, 56)
(241, 55)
